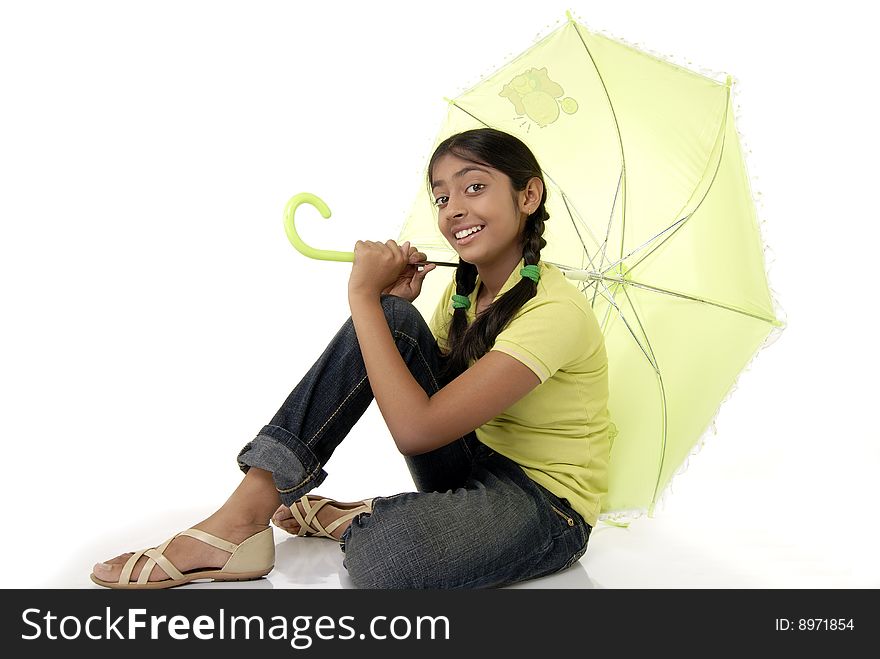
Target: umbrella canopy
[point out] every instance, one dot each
(651, 217)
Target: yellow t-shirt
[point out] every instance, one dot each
(558, 432)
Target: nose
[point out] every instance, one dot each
(455, 210)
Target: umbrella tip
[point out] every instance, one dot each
(568, 16)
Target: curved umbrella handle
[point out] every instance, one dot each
(293, 236)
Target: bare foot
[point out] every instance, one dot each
(184, 552)
(327, 514)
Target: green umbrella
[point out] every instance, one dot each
(651, 217)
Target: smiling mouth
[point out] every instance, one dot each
(468, 238)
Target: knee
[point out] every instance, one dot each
(397, 306)
(400, 313)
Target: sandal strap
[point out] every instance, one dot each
(156, 556)
(209, 539)
(347, 516)
(306, 523)
(125, 575)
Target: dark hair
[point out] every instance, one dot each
(508, 154)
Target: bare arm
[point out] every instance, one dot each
(419, 423)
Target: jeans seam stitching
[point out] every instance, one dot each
(421, 356)
(308, 477)
(336, 411)
(469, 453)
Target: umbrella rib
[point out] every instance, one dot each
(694, 298)
(604, 245)
(601, 246)
(675, 225)
(638, 343)
(630, 282)
(642, 328)
(574, 222)
(607, 295)
(663, 406)
(610, 298)
(469, 114)
(611, 215)
(607, 309)
(619, 137)
(680, 222)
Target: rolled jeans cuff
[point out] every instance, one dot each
(294, 468)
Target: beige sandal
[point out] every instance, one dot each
(309, 526)
(252, 558)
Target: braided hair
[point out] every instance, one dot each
(508, 154)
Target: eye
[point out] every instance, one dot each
(470, 186)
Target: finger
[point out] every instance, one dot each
(417, 257)
(401, 249)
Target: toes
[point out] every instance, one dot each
(284, 519)
(110, 568)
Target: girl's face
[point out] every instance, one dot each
(482, 197)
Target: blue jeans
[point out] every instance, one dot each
(477, 520)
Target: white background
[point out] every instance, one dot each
(154, 315)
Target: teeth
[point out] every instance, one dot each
(466, 232)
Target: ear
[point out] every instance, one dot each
(530, 198)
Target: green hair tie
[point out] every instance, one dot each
(460, 302)
(533, 272)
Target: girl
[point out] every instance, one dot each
(498, 406)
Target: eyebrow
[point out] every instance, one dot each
(459, 174)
